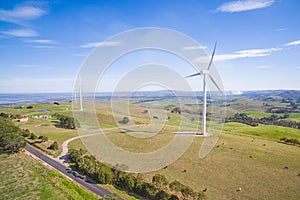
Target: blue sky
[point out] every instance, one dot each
(44, 43)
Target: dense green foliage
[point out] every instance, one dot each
(11, 139)
(271, 120)
(67, 121)
(103, 174)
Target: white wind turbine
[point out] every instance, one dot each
(205, 73)
(80, 94)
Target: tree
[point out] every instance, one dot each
(127, 182)
(105, 175)
(67, 122)
(75, 154)
(54, 146)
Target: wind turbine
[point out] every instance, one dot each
(80, 94)
(205, 73)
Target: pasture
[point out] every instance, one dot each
(246, 157)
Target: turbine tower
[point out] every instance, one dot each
(206, 74)
(79, 85)
(80, 94)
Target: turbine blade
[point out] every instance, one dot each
(215, 83)
(197, 74)
(212, 57)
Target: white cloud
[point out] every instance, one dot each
(244, 5)
(20, 14)
(103, 44)
(190, 48)
(281, 29)
(263, 67)
(21, 33)
(294, 43)
(240, 54)
(298, 67)
(42, 41)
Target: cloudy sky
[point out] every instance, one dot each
(44, 43)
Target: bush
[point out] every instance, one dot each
(292, 141)
(43, 138)
(32, 136)
(26, 133)
(125, 120)
(159, 181)
(176, 186)
(54, 146)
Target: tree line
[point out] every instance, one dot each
(11, 136)
(271, 120)
(159, 189)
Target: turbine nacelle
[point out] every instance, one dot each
(202, 72)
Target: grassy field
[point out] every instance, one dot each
(270, 132)
(258, 165)
(295, 116)
(245, 157)
(22, 177)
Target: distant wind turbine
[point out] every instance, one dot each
(205, 73)
(80, 94)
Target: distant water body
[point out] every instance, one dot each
(27, 98)
(19, 99)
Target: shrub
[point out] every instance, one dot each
(125, 120)
(54, 146)
(43, 138)
(159, 181)
(32, 136)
